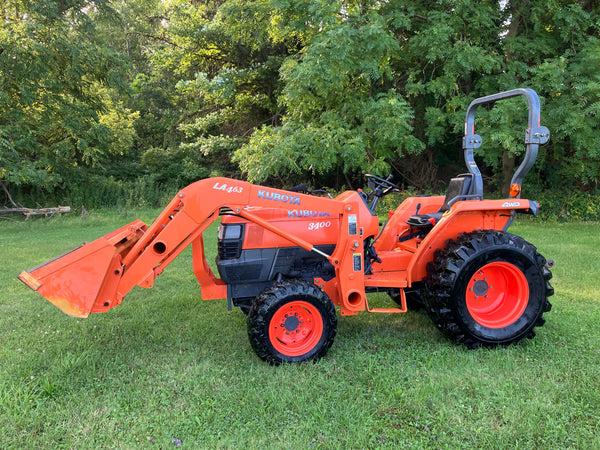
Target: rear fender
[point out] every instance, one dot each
(466, 216)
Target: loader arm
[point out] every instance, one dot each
(96, 276)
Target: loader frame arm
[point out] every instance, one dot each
(192, 211)
(138, 255)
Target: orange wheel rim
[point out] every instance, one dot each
(497, 295)
(296, 328)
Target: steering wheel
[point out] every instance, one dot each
(384, 186)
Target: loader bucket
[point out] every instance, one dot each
(85, 280)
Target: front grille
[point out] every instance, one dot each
(230, 249)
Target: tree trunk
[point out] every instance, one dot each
(28, 212)
(519, 23)
(508, 168)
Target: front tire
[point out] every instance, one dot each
(292, 321)
(488, 288)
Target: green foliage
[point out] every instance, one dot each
(322, 147)
(51, 103)
(106, 192)
(341, 112)
(573, 205)
(577, 143)
(100, 191)
(158, 112)
(280, 91)
(224, 73)
(183, 165)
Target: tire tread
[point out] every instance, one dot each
(443, 272)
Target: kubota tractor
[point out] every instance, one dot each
(288, 259)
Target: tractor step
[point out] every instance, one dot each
(403, 308)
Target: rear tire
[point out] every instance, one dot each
(292, 321)
(488, 288)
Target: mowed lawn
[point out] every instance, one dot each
(166, 369)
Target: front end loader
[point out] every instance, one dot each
(290, 259)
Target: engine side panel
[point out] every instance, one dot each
(316, 227)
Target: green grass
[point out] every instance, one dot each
(166, 368)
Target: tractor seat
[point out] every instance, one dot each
(458, 188)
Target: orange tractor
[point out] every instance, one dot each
(287, 258)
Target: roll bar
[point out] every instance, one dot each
(534, 136)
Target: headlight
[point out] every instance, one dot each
(230, 231)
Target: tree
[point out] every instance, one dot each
(53, 105)
(281, 90)
(341, 110)
(222, 66)
(457, 51)
(569, 81)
